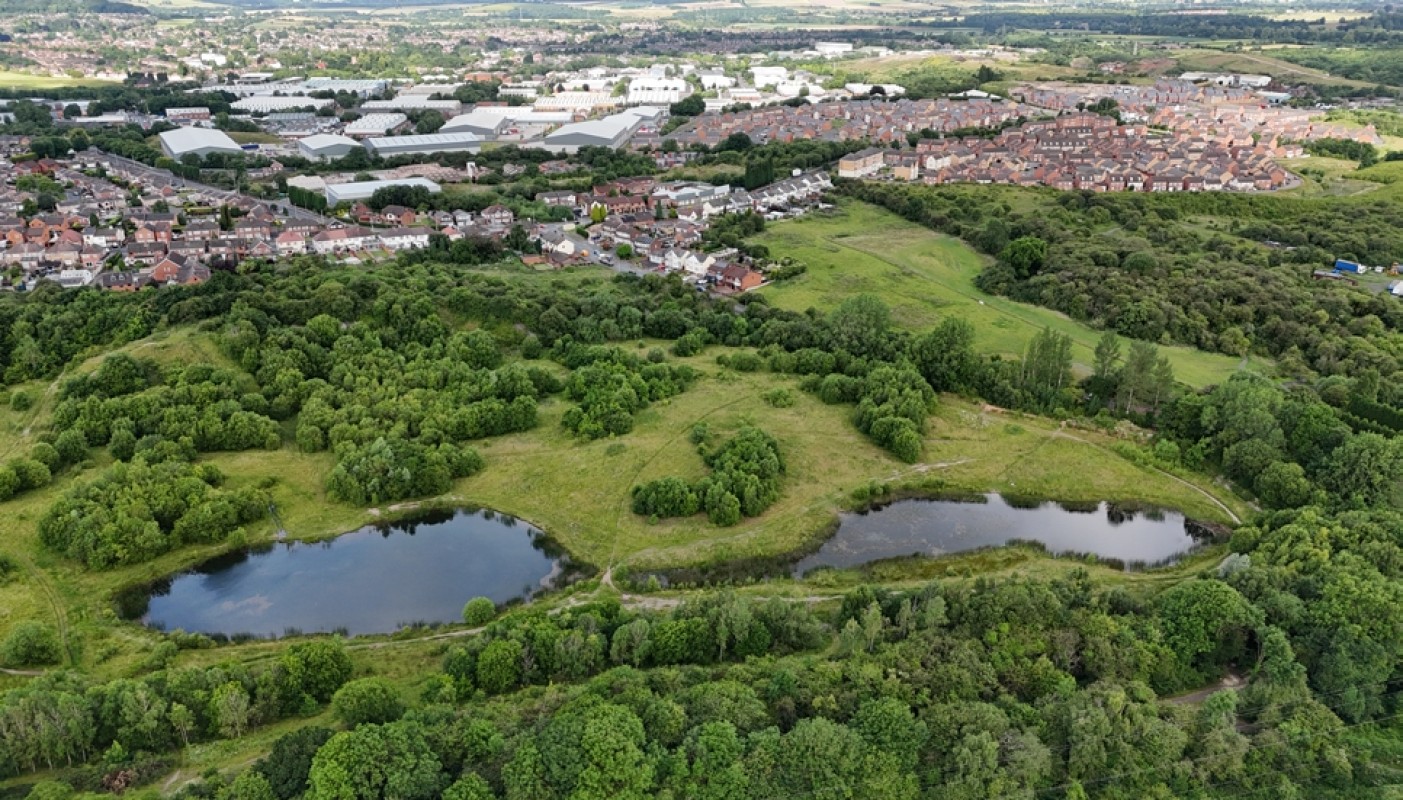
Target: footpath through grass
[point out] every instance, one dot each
(924, 276)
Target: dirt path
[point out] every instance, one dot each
(24, 673)
(1229, 681)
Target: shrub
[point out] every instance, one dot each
(30, 643)
(373, 700)
(21, 401)
(479, 611)
(778, 398)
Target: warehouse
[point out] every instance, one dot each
(326, 146)
(478, 121)
(410, 102)
(376, 125)
(388, 146)
(362, 190)
(612, 131)
(199, 141)
(653, 91)
(267, 103)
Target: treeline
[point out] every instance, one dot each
(1366, 154)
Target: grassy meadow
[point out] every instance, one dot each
(923, 276)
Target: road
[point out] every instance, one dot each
(162, 177)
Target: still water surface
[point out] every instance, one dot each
(941, 527)
(373, 580)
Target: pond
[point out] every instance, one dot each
(941, 527)
(374, 580)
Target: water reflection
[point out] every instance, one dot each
(941, 527)
(373, 580)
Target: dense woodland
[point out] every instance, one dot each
(1220, 272)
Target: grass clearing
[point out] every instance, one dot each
(923, 276)
(10, 79)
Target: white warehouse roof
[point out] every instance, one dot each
(200, 141)
(427, 143)
(324, 144)
(362, 190)
(375, 124)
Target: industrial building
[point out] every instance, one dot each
(376, 125)
(199, 141)
(479, 122)
(657, 91)
(414, 102)
(267, 103)
(612, 131)
(577, 102)
(428, 144)
(362, 190)
(326, 146)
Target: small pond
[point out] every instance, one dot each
(374, 580)
(942, 527)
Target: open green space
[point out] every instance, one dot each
(924, 276)
(10, 79)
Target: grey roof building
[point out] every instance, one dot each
(387, 146)
(200, 141)
(362, 190)
(326, 146)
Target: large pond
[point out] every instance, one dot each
(941, 527)
(374, 580)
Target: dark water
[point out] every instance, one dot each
(940, 527)
(373, 580)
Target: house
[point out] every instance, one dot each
(736, 278)
(290, 243)
(125, 281)
(405, 238)
(104, 237)
(862, 163)
(200, 229)
(498, 217)
(398, 216)
(342, 239)
(177, 270)
(146, 253)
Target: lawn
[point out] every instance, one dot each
(923, 276)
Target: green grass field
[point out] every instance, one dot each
(9, 79)
(924, 276)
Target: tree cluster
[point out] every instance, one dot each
(745, 480)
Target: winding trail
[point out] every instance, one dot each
(1061, 434)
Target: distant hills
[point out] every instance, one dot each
(71, 6)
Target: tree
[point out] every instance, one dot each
(317, 668)
(290, 761)
(499, 666)
(250, 785)
(373, 700)
(30, 643)
(71, 446)
(690, 106)
(1026, 255)
(376, 761)
(429, 122)
(946, 357)
(231, 709)
(1107, 358)
(479, 611)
